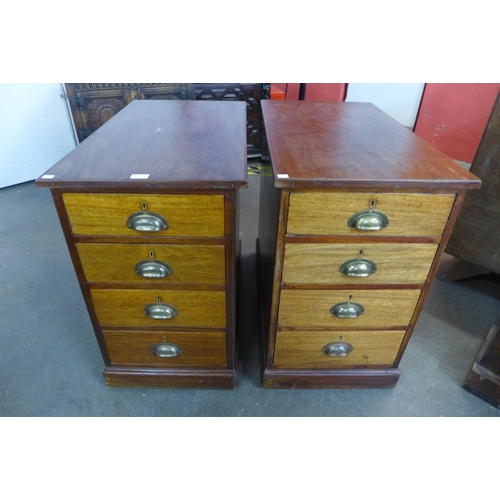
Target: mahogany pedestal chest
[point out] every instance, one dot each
(148, 206)
(355, 212)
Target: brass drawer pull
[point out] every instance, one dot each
(347, 310)
(368, 220)
(335, 349)
(358, 268)
(146, 222)
(165, 350)
(160, 310)
(153, 269)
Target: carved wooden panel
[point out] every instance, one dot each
(93, 104)
(252, 93)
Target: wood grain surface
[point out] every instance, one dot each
(107, 214)
(176, 144)
(320, 262)
(134, 348)
(304, 349)
(190, 264)
(349, 144)
(328, 213)
(383, 308)
(125, 308)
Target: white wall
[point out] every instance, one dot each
(399, 100)
(35, 130)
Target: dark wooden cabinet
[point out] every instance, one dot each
(252, 94)
(93, 104)
(148, 206)
(355, 212)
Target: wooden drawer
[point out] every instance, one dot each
(320, 262)
(190, 264)
(408, 214)
(107, 214)
(126, 307)
(304, 349)
(382, 308)
(135, 348)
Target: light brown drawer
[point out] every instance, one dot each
(107, 214)
(305, 349)
(126, 307)
(189, 264)
(328, 213)
(382, 308)
(196, 348)
(394, 263)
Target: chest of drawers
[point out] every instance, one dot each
(355, 212)
(148, 205)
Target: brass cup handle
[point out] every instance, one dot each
(368, 220)
(336, 349)
(160, 310)
(166, 350)
(358, 268)
(147, 222)
(153, 269)
(347, 310)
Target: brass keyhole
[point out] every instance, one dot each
(151, 254)
(165, 339)
(361, 253)
(144, 206)
(372, 203)
(158, 298)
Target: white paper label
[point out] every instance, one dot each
(48, 176)
(139, 176)
(282, 176)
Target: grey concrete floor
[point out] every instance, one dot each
(50, 364)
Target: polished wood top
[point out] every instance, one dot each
(160, 144)
(354, 145)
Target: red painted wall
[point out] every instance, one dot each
(453, 116)
(315, 91)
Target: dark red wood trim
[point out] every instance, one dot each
(311, 238)
(329, 379)
(176, 378)
(66, 227)
(278, 270)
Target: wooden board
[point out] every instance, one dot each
(175, 144)
(351, 144)
(134, 348)
(190, 264)
(383, 308)
(396, 263)
(325, 213)
(125, 308)
(304, 349)
(107, 214)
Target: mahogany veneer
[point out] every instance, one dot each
(160, 286)
(340, 298)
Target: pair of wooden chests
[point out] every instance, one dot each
(355, 212)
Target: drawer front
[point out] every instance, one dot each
(188, 264)
(388, 263)
(189, 348)
(126, 308)
(408, 214)
(108, 214)
(382, 308)
(307, 349)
